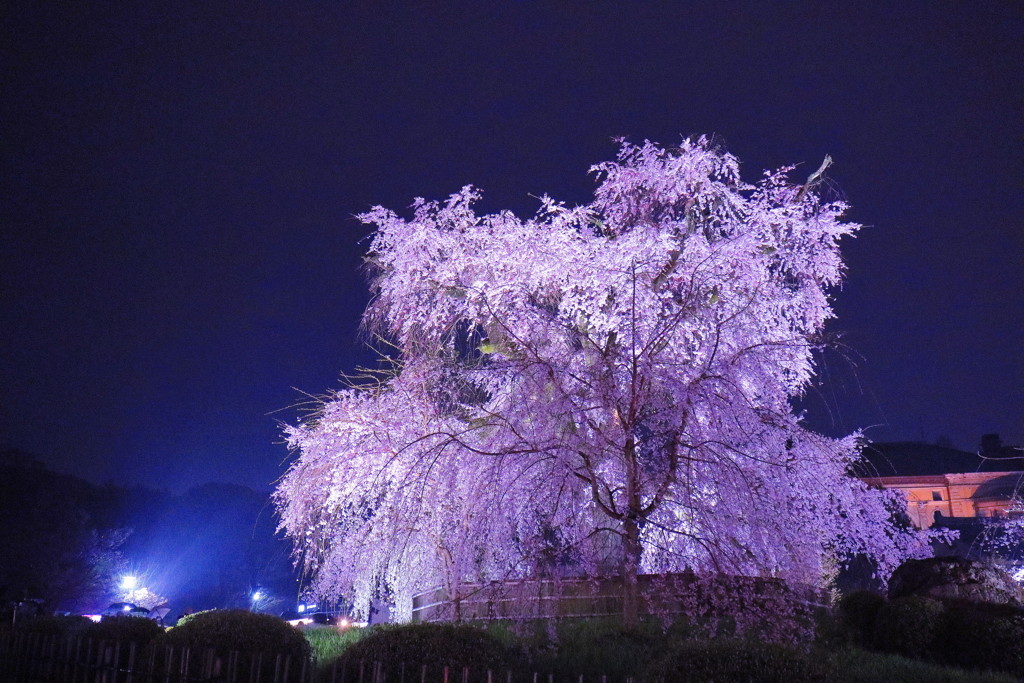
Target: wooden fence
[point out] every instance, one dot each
(661, 594)
(35, 658)
(32, 657)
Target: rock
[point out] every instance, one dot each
(954, 578)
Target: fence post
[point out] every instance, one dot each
(49, 654)
(38, 657)
(131, 662)
(253, 669)
(77, 660)
(30, 654)
(117, 661)
(152, 665)
(26, 658)
(65, 660)
(207, 666)
(91, 661)
(168, 659)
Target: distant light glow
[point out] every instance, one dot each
(302, 608)
(127, 608)
(258, 595)
(129, 582)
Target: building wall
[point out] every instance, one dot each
(972, 494)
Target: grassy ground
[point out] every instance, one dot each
(328, 642)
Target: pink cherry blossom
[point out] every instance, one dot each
(600, 389)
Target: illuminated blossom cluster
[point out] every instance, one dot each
(604, 388)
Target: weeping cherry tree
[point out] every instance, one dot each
(606, 388)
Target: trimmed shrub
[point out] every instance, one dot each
(592, 647)
(432, 645)
(262, 642)
(185, 618)
(739, 661)
(124, 629)
(858, 612)
(908, 626)
(984, 636)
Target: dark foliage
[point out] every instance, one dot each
(955, 578)
(908, 626)
(237, 630)
(228, 631)
(590, 647)
(739, 661)
(983, 636)
(433, 645)
(854, 665)
(970, 635)
(124, 629)
(858, 612)
(61, 627)
(59, 545)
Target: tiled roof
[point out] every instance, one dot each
(911, 458)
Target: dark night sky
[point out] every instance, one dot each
(179, 180)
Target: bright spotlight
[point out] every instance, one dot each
(129, 582)
(257, 595)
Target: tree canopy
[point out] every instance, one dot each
(603, 388)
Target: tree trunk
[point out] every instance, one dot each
(630, 574)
